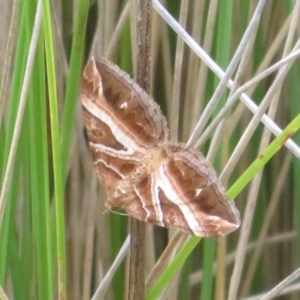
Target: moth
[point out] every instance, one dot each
(152, 179)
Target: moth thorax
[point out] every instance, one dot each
(154, 158)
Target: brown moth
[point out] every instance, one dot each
(142, 172)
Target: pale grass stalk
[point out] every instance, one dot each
(248, 215)
(110, 15)
(75, 220)
(89, 240)
(288, 290)
(196, 277)
(171, 250)
(236, 116)
(267, 59)
(103, 250)
(275, 88)
(79, 143)
(267, 221)
(281, 286)
(216, 69)
(288, 45)
(166, 57)
(171, 290)
(203, 71)
(105, 28)
(8, 56)
(239, 53)
(175, 105)
(190, 81)
(111, 48)
(61, 64)
(3, 296)
(271, 97)
(174, 245)
(80, 214)
(242, 67)
(233, 99)
(292, 29)
(160, 36)
(275, 46)
(98, 45)
(21, 109)
(244, 44)
(60, 58)
(150, 248)
(167, 62)
(274, 200)
(106, 281)
(245, 232)
(153, 5)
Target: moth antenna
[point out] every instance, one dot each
(115, 212)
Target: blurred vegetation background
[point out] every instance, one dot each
(56, 242)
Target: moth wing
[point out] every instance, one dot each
(183, 193)
(187, 180)
(122, 121)
(123, 103)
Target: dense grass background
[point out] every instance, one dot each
(55, 240)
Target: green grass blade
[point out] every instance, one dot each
(17, 79)
(73, 80)
(209, 255)
(255, 167)
(173, 268)
(262, 159)
(40, 180)
(57, 167)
